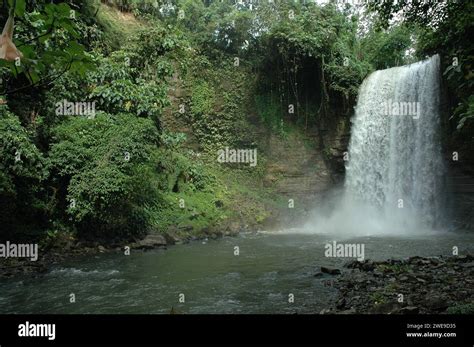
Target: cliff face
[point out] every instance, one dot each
(460, 189)
(304, 167)
(297, 167)
(336, 141)
(458, 147)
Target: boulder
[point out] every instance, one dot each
(171, 238)
(330, 271)
(151, 241)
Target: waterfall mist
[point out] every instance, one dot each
(394, 175)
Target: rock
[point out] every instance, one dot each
(151, 241)
(318, 274)
(409, 310)
(415, 260)
(436, 303)
(234, 228)
(353, 264)
(431, 291)
(352, 310)
(468, 265)
(171, 237)
(330, 271)
(368, 265)
(386, 307)
(341, 303)
(378, 273)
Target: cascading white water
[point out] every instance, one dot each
(395, 163)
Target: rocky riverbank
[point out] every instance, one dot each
(415, 285)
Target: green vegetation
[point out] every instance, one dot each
(444, 28)
(172, 84)
(467, 308)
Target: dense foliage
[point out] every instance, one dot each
(171, 83)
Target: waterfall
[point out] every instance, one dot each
(395, 162)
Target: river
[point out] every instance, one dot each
(269, 268)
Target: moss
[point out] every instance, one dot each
(118, 26)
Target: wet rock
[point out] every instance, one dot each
(368, 265)
(330, 271)
(353, 264)
(386, 307)
(428, 289)
(415, 260)
(171, 236)
(468, 265)
(341, 303)
(436, 303)
(409, 310)
(352, 310)
(151, 241)
(378, 273)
